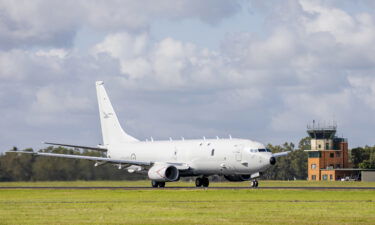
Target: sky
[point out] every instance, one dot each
(260, 70)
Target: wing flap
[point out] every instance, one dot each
(101, 149)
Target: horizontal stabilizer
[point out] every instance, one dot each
(78, 146)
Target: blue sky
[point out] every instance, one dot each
(252, 69)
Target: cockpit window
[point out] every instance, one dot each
(268, 150)
(262, 150)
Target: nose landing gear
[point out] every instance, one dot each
(254, 183)
(202, 182)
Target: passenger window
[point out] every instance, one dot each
(212, 152)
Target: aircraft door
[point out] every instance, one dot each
(238, 152)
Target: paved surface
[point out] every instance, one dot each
(178, 188)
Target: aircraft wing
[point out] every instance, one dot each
(279, 154)
(78, 146)
(93, 158)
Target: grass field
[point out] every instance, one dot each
(186, 206)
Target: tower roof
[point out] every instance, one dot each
(317, 131)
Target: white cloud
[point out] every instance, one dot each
(363, 88)
(56, 52)
(55, 23)
(52, 100)
(309, 60)
(168, 63)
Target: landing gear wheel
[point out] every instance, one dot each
(154, 184)
(198, 182)
(161, 184)
(205, 182)
(254, 183)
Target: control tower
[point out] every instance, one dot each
(328, 155)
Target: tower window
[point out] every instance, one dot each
(327, 146)
(330, 177)
(338, 154)
(314, 154)
(331, 155)
(313, 177)
(313, 166)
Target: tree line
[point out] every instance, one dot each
(27, 167)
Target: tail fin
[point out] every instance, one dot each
(111, 128)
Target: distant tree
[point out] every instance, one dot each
(305, 143)
(294, 165)
(16, 167)
(368, 158)
(363, 157)
(25, 167)
(357, 156)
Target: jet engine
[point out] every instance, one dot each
(237, 178)
(163, 172)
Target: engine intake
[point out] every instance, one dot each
(237, 178)
(163, 172)
(272, 160)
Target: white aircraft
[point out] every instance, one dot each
(167, 161)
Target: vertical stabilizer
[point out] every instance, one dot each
(111, 128)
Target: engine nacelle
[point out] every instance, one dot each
(237, 178)
(163, 172)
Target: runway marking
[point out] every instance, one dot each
(179, 188)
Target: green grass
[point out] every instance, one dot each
(185, 206)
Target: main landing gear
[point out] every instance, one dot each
(254, 183)
(156, 184)
(202, 182)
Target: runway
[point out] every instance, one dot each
(180, 188)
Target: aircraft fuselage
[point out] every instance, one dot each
(205, 156)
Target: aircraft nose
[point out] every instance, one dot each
(272, 160)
